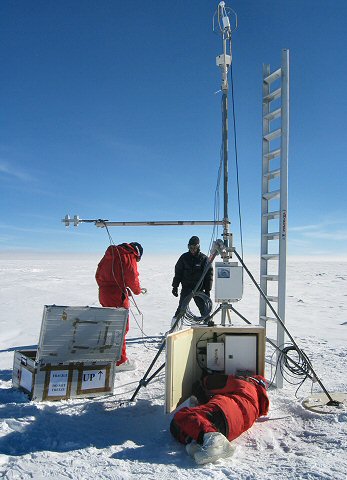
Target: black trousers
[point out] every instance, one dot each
(198, 301)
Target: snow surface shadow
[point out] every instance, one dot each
(5, 375)
(71, 426)
(166, 452)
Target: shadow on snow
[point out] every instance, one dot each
(72, 425)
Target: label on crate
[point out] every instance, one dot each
(58, 382)
(92, 379)
(26, 379)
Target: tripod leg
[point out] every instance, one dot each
(223, 314)
(213, 314)
(155, 374)
(229, 316)
(143, 381)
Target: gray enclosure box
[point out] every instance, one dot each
(76, 353)
(228, 282)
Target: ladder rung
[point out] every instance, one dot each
(268, 319)
(270, 256)
(272, 236)
(272, 215)
(272, 195)
(272, 115)
(271, 278)
(273, 76)
(273, 174)
(272, 96)
(272, 135)
(272, 299)
(273, 154)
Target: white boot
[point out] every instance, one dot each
(192, 448)
(215, 446)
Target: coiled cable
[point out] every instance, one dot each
(189, 318)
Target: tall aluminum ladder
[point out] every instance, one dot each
(274, 206)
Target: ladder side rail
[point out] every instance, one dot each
(282, 266)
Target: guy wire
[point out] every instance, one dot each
(297, 348)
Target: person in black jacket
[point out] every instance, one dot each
(188, 271)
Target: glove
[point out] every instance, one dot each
(175, 291)
(207, 292)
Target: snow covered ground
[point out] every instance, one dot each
(106, 438)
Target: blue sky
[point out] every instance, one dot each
(108, 109)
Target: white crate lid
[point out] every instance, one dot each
(80, 334)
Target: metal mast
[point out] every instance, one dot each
(222, 25)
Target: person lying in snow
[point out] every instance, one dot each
(228, 406)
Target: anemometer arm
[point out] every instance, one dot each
(106, 223)
(76, 220)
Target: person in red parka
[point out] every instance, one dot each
(117, 274)
(229, 405)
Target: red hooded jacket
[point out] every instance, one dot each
(116, 272)
(234, 405)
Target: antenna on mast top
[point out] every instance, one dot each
(222, 18)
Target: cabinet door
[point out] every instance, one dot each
(241, 354)
(180, 368)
